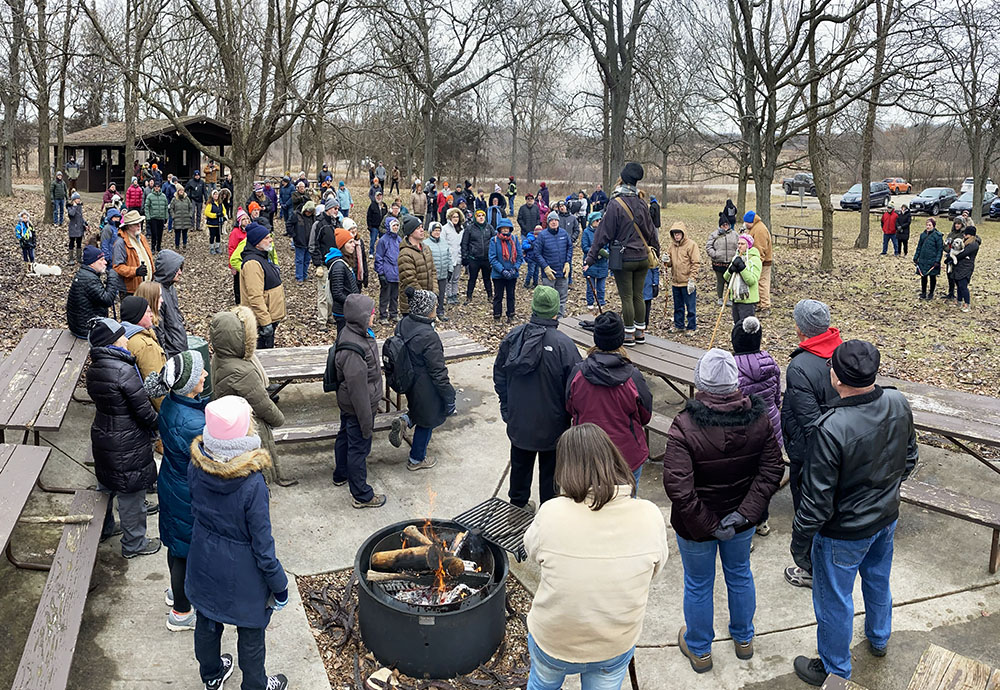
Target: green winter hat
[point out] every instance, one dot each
(545, 302)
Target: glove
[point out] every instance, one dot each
(265, 331)
(566, 269)
(603, 253)
(549, 273)
(507, 274)
(320, 271)
(734, 520)
(280, 600)
(141, 271)
(724, 533)
(465, 261)
(737, 265)
(691, 286)
(801, 549)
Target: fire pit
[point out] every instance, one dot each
(431, 597)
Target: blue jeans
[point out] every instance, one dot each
(599, 283)
(684, 301)
(531, 273)
(885, 243)
(301, 263)
(510, 201)
(548, 673)
(698, 558)
(351, 453)
(836, 564)
(58, 208)
(373, 234)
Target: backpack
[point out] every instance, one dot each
(331, 377)
(399, 375)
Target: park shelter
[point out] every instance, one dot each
(100, 150)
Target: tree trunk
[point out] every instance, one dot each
(44, 163)
(606, 139)
(663, 179)
(818, 160)
(762, 191)
(741, 181)
(7, 149)
(868, 136)
(61, 99)
(427, 122)
(619, 112)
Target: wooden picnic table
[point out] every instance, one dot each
(942, 669)
(37, 380)
(20, 468)
(801, 233)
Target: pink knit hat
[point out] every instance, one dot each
(227, 418)
(748, 239)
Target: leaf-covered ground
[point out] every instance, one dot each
(871, 297)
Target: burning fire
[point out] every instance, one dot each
(440, 584)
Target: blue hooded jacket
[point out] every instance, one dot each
(497, 262)
(181, 420)
(109, 233)
(387, 254)
(600, 268)
(285, 195)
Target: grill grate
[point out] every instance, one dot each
(500, 522)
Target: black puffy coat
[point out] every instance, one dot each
(341, 281)
(530, 374)
(89, 297)
(861, 451)
(808, 394)
(476, 242)
(432, 394)
(121, 435)
(965, 262)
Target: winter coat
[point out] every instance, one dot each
(155, 206)
(651, 286)
(927, 255)
(453, 236)
(441, 255)
(616, 226)
(121, 434)
(195, 189)
(750, 275)
(149, 356)
(965, 262)
(58, 189)
(528, 216)
(171, 331)
(498, 263)
(598, 200)
(903, 225)
(654, 214)
(418, 203)
(530, 375)
(761, 376)
(125, 259)
(215, 214)
(182, 211)
(345, 200)
(109, 233)
(342, 281)
(721, 248)
(889, 223)
(260, 286)
(89, 296)
(303, 226)
(608, 390)
(761, 240)
(169, 190)
(808, 392)
(322, 239)
(299, 199)
(77, 224)
(387, 256)
(25, 234)
(232, 569)
(266, 207)
(554, 249)
(721, 457)
(416, 268)
(376, 212)
(543, 193)
(360, 389)
(182, 419)
(432, 395)
(109, 194)
(598, 269)
(133, 196)
(476, 243)
(237, 240)
(285, 195)
(864, 446)
(685, 258)
(571, 224)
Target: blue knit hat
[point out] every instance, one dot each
(749, 217)
(256, 234)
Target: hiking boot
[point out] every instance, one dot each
(442, 318)
(376, 501)
(744, 650)
(151, 508)
(511, 319)
(424, 464)
(640, 337)
(629, 340)
(227, 670)
(278, 682)
(384, 321)
(116, 530)
(339, 483)
(179, 622)
(763, 529)
(877, 651)
(168, 597)
(700, 664)
(396, 432)
(797, 577)
(152, 546)
(809, 670)
(496, 319)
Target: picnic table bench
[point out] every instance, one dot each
(800, 233)
(20, 467)
(942, 669)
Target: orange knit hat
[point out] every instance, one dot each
(341, 237)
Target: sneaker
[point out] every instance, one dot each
(700, 664)
(744, 650)
(278, 682)
(117, 530)
(965, 310)
(877, 651)
(425, 464)
(809, 670)
(152, 546)
(168, 597)
(629, 340)
(763, 529)
(797, 577)
(151, 508)
(442, 318)
(227, 670)
(179, 622)
(496, 319)
(718, 302)
(376, 501)
(396, 432)
(947, 297)
(511, 319)
(384, 321)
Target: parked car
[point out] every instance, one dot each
(802, 180)
(933, 200)
(897, 185)
(964, 203)
(991, 186)
(995, 209)
(880, 195)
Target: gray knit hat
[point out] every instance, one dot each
(422, 302)
(552, 216)
(812, 317)
(180, 374)
(716, 372)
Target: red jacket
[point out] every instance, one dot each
(607, 390)
(133, 196)
(889, 222)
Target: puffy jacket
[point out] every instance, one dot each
(195, 188)
(616, 226)
(344, 199)
(498, 263)
(285, 194)
(322, 239)
(121, 435)
(889, 222)
(182, 211)
(360, 390)
(232, 569)
(863, 447)
(387, 256)
(598, 269)
(215, 214)
(237, 240)
(171, 330)
(527, 218)
(341, 280)
(927, 255)
(750, 275)
(554, 248)
(432, 394)
(149, 356)
(155, 206)
(721, 457)
(721, 247)
(303, 226)
(125, 259)
(761, 240)
(441, 255)
(416, 268)
(808, 393)
(77, 223)
(903, 225)
(58, 189)
(182, 419)
(965, 262)
(760, 376)
(530, 375)
(260, 286)
(89, 296)
(685, 258)
(133, 196)
(476, 242)
(453, 236)
(608, 390)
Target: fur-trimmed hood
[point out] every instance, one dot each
(726, 410)
(233, 333)
(240, 467)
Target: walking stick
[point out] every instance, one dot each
(717, 321)
(593, 288)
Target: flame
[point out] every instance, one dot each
(440, 583)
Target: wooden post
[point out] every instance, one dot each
(995, 552)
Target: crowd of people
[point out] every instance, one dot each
(584, 429)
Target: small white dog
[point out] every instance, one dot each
(38, 269)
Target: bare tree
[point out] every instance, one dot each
(10, 90)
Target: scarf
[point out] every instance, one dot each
(508, 248)
(625, 190)
(359, 271)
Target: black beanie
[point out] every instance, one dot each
(632, 173)
(856, 363)
(410, 223)
(746, 336)
(609, 331)
(134, 308)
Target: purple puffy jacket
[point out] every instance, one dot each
(760, 376)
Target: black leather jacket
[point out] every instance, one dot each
(863, 447)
